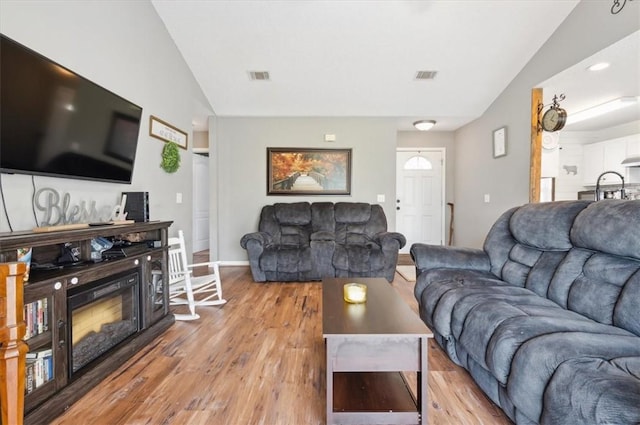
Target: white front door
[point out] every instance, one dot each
(419, 197)
(200, 203)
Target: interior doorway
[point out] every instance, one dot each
(420, 195)
(200, 202)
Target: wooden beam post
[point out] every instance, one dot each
(535, 170)
(13, 350)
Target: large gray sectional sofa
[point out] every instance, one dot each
(546, 317)
(304, 241)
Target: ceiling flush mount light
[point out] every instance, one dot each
(596, 111)
(424, 125)
(598, 66)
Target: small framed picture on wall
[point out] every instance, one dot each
(500, 142)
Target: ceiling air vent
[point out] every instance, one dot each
(426, 75)
(259, 75)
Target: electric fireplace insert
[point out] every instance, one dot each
(101, 315)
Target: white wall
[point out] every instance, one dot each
(570, 180)
(588, 29)
(125, 48)
(241, 159)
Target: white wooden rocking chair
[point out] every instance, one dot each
(186, 289)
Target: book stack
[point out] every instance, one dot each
(36, 317)
(39, 369)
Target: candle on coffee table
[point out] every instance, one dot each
(355, 293)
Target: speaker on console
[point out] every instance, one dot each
(137, 206)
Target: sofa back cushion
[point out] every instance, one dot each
(323, 217)
(547, 225)
(611, 226)
(606, 265)
(289, 224)
(527, 244)
(358, 223)
(583, 255)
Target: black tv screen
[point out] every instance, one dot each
(54, 122)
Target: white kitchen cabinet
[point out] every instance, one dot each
(633, 145)
(615, 152)
(632, 175)
(592, 162)
(604, 156)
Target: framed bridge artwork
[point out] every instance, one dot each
(302, 171)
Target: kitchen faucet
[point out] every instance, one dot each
(598, 184)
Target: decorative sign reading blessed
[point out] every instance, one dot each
(59, 210)
(166, 132)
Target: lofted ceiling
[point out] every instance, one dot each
(359, 58)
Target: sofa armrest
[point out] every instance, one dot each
(323, 236)
(255, 244)
(384, 237)
(261, 238)
(449, 257)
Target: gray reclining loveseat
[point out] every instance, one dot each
(304, 241)
(546, 318)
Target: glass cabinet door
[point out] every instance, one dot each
(45, 336)
(156, 288)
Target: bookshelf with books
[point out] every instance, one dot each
(39, 369)
(36, 318)
(39, 363)
(45, 371)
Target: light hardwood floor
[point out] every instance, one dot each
(259, 359)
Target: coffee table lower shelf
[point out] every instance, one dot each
(368, 347)
(373, 397)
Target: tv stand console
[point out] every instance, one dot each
(54, 378)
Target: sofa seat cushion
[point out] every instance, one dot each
(359, 258)
(287, 260)
(537, 360)
(613, 396)
(491, 320)
(444, 299)
(491, 328)
(432, 285)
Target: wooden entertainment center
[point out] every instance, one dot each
(129, 287)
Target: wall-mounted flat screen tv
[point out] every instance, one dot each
(53, 122)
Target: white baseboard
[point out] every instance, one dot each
(234, 263)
